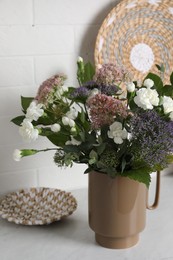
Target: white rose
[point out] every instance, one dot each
(17, 155)
(55, 128)
(34, 111)
(149, 83)
(146, 98)
(167, 103)
(130, 87)
(117, 132)
(27, 131)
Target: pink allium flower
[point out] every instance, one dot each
(104, 109)
(110, 74)
(48, 87)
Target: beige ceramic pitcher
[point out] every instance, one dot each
(117, 209)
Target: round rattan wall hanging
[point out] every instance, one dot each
(137, 35)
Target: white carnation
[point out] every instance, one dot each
(146, 98)
(130, 87)
(149, 83)
(72, 113)
(17, 155)
(27, 131)
(171, 116)
(55, 128)
(117, 132)
(34, 111)
(80, 59)
(167, 103)
(68, 121)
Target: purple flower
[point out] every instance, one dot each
(152, 138)
(80, 92)
(108, 90)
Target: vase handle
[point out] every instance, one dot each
(157, 193)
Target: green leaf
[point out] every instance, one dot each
(101, 148)
(161, 67)
(82, 116)
(141, 175)
(89, 169)
(58, 139)
(157, 82)
(25, 102)
(71, 149)
(89, 72)
(93, 155)
(167, 91)
(18, 120)
(171, 78)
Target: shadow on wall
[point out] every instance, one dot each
(87, 46)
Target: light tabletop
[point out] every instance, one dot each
(72, 239)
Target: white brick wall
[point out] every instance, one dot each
(39, 38)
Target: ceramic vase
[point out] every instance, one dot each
(117, 210)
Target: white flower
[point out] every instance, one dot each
(34, 111)
(94, 92)
(68, 121)
(149, 83)
(117, 132)
(72, 113)
(130, 87)
(60, 91)
(80, 59)
(167, 103)
(55, 128)
(27, 131)
(171, 116)
(17, 155)
(73, 141)
(146, 98)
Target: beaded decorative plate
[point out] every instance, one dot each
(37, 206)
(137, 34)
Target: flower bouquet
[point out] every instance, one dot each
(112, 124)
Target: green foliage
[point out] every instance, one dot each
(141, 175)
(25, 102)
(158, 83)
(18, 120)
(85, 72)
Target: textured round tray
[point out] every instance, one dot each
(137, 35)
(37, 206)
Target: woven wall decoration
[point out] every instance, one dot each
(137, 35)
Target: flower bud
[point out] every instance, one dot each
(130, 87)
